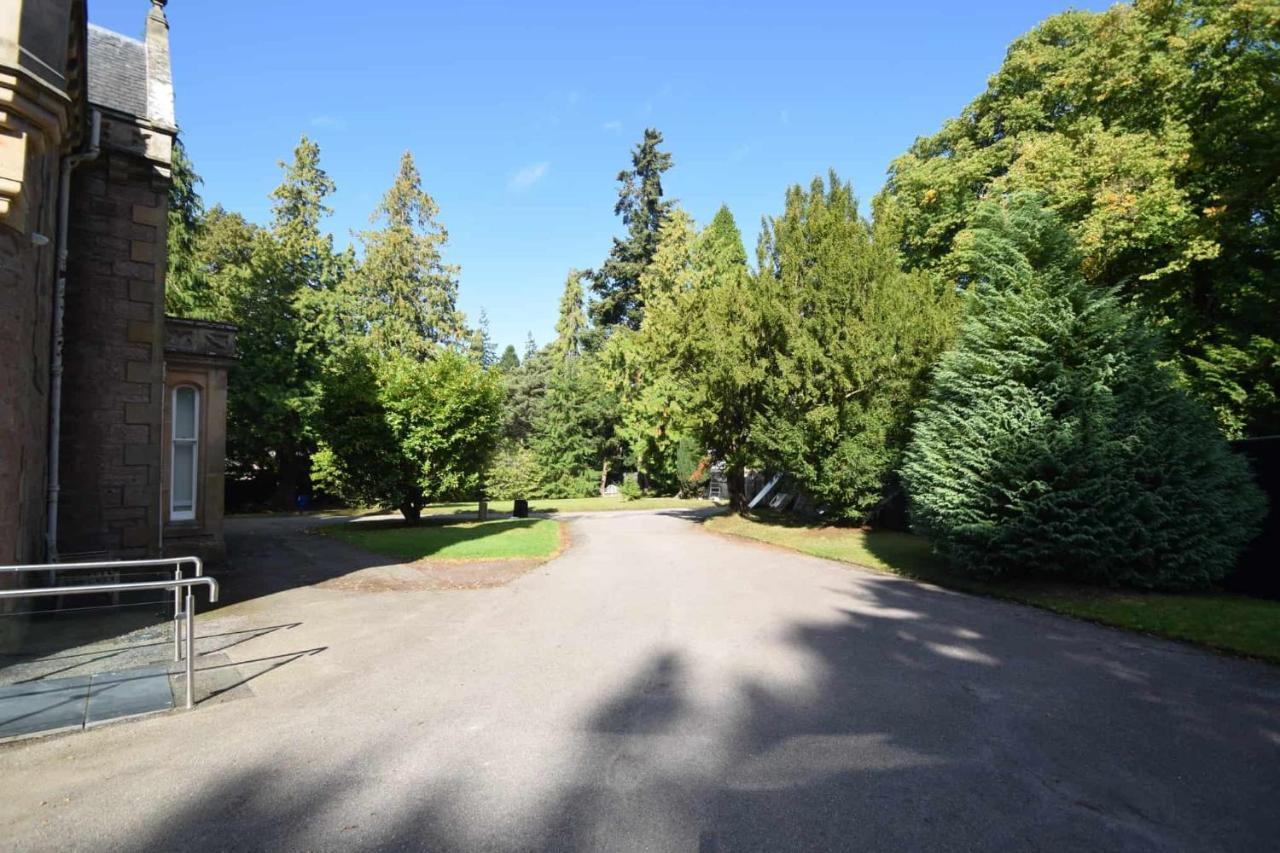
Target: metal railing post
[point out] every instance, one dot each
(177, 613)
(177, 585)
(191, 649)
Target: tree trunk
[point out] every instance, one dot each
(737, 481)
(288, 469)
(604, 475)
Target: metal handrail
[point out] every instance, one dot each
(176, 562)
(103, 564)
(176, 585)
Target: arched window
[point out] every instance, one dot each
(186, 453)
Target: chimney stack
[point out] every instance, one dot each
(159, 76)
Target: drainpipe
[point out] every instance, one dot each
(69, 163)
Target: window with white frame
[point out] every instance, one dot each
(186, 451)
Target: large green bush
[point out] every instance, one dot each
(513, 473)
(1054, 442)
(405, 432)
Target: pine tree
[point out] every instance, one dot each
(643, 210)
(647, 369)
(406, 294)
(295, 273)
(185, 291)
(298, 205)
(1054, 443)
(526, 386)
(480, 343)
(575, 440)
(719, 250)
(573, 319)
(509, 360)
(728, 351)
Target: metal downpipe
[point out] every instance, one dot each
(69, 163)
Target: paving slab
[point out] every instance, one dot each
(48, 705)
(115, 695)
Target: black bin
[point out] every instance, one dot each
(521, 509)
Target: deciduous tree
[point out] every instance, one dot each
(402, 431)
(1152, 129)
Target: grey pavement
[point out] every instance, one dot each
(661, 688)
(47, 705)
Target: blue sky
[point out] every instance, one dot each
(520, 116)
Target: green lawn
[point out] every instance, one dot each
(490, 540)
(1231, 623)
(550, 505)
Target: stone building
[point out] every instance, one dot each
(118, 450)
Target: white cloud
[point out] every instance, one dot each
(329, 121)
(528, 176)
(612, 126)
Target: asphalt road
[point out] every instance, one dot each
(661, 688)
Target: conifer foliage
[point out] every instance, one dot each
(1054, 442)
(850, 338)
(643, 210)
(406, 294)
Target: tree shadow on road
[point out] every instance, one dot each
(910, 719)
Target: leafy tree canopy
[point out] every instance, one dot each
(404, 432)
(1152, 129)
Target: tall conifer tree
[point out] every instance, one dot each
(850, 339)
(1054, 442)
(572, 322)
(481, 343)
(185, 291)
(643, 210)
(406, 294)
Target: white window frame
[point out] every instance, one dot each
(194, 442)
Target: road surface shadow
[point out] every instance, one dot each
(913, 719)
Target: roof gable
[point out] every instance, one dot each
(117, 71)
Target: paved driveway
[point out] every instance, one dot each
(661, 688)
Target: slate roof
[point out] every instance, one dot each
(117, 72)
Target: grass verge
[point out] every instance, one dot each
(1229, 623)
(489, 540)
(608, 503)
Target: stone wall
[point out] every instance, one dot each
(114, 331)
(27, 272)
